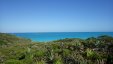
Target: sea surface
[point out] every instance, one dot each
(50, 36)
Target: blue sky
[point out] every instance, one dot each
(56, 15)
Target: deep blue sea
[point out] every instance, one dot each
(50, 36)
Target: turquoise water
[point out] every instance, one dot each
(50, 36)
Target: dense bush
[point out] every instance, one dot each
(15, 50)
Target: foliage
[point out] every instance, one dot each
(13, 61)
(93, 50)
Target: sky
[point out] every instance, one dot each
(56, 16)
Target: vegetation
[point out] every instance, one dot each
(15, 50)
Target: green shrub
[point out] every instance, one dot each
(66, 52)
(39, 53)
(58, 60)
(40, 62)
(13, 61)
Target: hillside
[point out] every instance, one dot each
(9, 39)
(16, 50)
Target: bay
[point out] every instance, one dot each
(50, 36)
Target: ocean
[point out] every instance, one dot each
(50, 36)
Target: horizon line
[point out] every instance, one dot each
(56, 31)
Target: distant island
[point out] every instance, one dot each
(93, 50)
